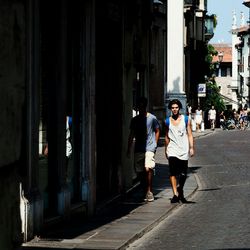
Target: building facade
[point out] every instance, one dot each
(89, 60)
(197, 33)
(241, 61)
(223, 62)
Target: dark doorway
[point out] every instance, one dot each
(108, 99)
(60, 96)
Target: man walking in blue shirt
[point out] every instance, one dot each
(145, 130)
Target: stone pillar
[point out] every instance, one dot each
(175, 53)
(88, 157)
(56, 82)
(63, 192)
(31, 203)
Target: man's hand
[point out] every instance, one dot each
(166, 154)
(191, 152)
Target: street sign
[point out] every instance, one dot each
(201, 90)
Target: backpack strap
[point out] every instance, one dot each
(168, 120)
(186, 120)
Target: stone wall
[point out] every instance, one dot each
(12, 79)
(12, 101)
(10, 222)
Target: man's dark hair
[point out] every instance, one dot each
(142, 101)
(174, 101)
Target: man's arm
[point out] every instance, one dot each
(157, 135)
(167, 140)
(190, 138)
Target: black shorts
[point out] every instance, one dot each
(177, 166)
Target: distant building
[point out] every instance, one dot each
(223, 72)
(241, 58)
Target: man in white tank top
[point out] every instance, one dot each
(179, 145)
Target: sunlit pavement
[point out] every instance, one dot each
(123, 222)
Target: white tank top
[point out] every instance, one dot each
(178, 145)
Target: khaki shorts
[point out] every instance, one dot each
(144, 160)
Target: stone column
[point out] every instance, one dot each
(88, 154)
(63, 192)
(175, 53)
(31, 202)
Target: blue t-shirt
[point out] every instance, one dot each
(144, 128)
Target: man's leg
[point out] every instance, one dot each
(149, 166)
(149, 179)
(182, 180)
(212, 124)
(173, 180)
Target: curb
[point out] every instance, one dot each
(119, 233)
(171, 208)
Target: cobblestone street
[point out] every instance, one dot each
(219, 217)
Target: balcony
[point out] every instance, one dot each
(194, 4)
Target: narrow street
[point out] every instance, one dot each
(218, 217)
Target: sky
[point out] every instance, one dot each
(223, 10)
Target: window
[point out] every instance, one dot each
(223, 71)
(229, 71)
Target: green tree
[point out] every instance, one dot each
(213, 96)
(211, 67)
